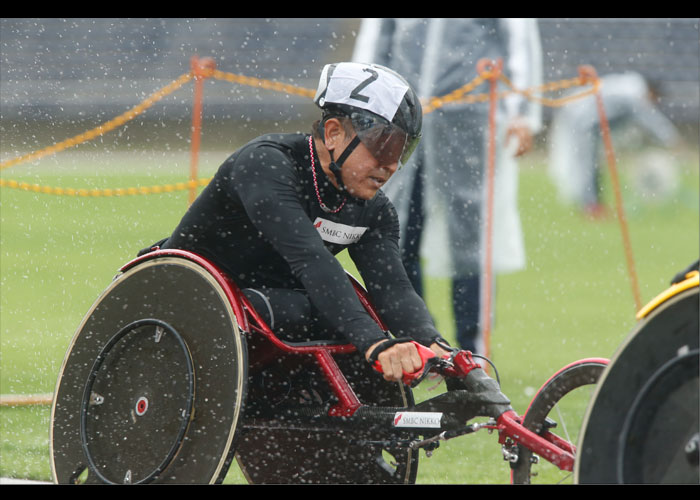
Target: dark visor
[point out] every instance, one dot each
(385, 141)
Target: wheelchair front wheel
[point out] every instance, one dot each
(560, 402)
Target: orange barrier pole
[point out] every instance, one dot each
(201, 69)
(493, 71)
(588, 74)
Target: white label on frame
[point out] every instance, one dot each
(417, 419)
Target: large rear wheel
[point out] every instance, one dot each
(152, 387)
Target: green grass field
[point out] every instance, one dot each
(574, 300)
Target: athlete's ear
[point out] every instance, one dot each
(334, 133)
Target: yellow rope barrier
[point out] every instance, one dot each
(263, 84)
(459, 95)
(552, 86)
(102, 129)
(131, 191)
(26, 399)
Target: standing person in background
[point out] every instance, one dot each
(574, 137)
(441, 196)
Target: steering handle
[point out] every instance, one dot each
(457, 364)
(409, 378)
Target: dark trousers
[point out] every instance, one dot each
(290, 314)
(465, 290)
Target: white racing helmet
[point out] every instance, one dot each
(383, 108)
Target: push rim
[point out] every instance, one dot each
(138, 328)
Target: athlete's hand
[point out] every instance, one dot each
(397, 359)
(518, 130)
(439, 351)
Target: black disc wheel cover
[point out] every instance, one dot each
(142, 384)
(116, 380)
(645, 409)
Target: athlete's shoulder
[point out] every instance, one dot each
(286, 142)
(274, 150)
(381, 211)
(382, 202)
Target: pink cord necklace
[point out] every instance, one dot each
(318, 194)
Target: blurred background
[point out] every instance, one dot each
(84, 71)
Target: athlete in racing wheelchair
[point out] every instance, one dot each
(281, 207)
(267, 228)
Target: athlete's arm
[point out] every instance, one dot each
(266, 183)
(377, 257)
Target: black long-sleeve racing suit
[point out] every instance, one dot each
(260, 221)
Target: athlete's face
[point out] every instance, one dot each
(363, 174)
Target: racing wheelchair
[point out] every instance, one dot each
(172, 374)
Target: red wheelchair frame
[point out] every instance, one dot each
(512, 433)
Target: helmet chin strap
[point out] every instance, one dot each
(336, 165)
